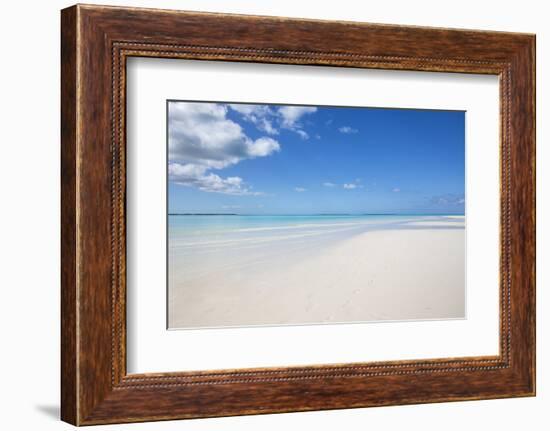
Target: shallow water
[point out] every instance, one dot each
(198, 244)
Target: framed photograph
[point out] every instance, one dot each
(265, 215)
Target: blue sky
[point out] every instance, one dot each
(280, 159)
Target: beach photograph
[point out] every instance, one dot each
(299, 215)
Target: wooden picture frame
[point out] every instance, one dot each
(95, 43)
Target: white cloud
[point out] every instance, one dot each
(396, 190)
(202, 138)
(260, 115)
(268, 118)
(290, 118)
(291, 114)
(299, 189)
(329, 184)
(448, 199)
(251, 110)
(347, 130)
(262, 147)
(201, 133)
(266, 126)
(350, 186)
(302, 134)
(196, 176)
(189, 170)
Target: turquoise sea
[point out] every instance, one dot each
(245, 230)
(202, 241)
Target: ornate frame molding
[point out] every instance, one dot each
(96, 41)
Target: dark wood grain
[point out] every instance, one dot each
(69, 398)
(96, 41)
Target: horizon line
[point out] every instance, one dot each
(312, 214)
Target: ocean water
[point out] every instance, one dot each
(239, 230)
(200, 242)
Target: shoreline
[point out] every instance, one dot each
(347, 279)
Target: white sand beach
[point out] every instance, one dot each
(413, 270)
